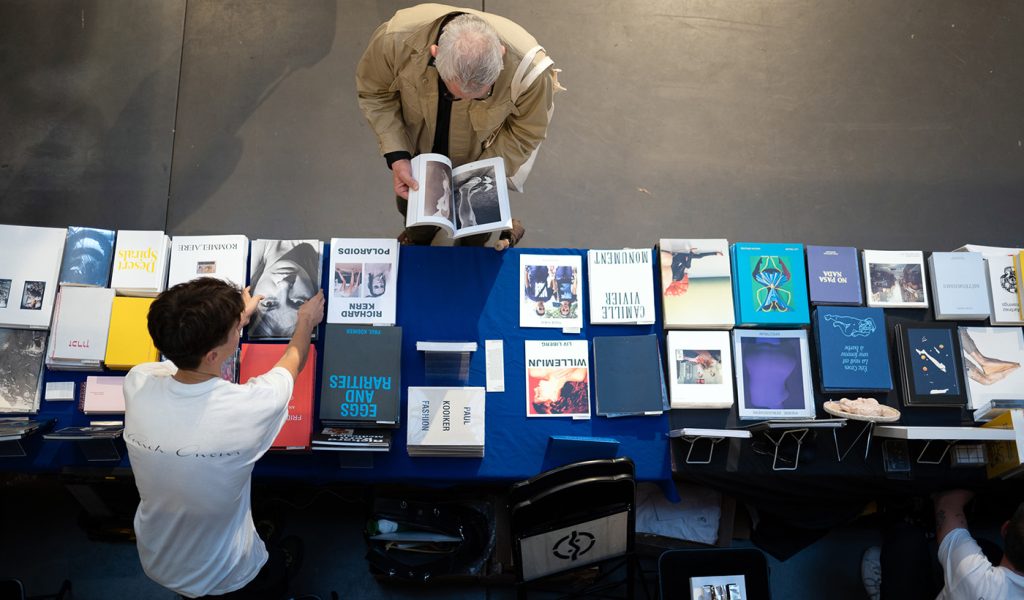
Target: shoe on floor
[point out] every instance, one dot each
(871, 572)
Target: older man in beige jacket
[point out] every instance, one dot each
(467, 100)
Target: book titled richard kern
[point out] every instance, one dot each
(362, 376)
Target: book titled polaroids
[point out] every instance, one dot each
(628, 379)
(696, 284)
(833, 276)
(364, 281)
(929, 355)
(773, 374)
(557, 378)
(286, 273)
(621, 284)
(21, 370)
(29, 270)
(992, 364)
(88, 257)
(446, 421)
(362, 379)
(769, 284)
(853, 354)
(700, 369)
(959, 288)
(551, 291)
(257, 359)
(128, 341)
(219, 256)
(81, 322)
(102, 395)
(468, 200)
(140, 263)
(895, 278)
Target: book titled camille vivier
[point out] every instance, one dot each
(361, 385)
(621, 284)
(257, 359)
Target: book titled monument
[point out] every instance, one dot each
(362, 378)
(81, 322)
(467, 200)
(257, 359)
(773, 378)
(621, 284)
(446, 421)
(551, 291)
(219, 256)
(557, 378)
(628, 378)
(21, 369)
(88, 257)
(769, 284)
(959, 288)
(696, 284)
(140, 263)
(364, 281)
(286, 273)
(853, 354)
(700, 369)
(29, 268)
(895, 278)
(833, 275)
(992, 365)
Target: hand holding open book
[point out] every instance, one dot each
(464, 201)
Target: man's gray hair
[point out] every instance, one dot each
(469, 54)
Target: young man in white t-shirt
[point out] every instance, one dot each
(193, 439)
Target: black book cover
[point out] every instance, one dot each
(627, 375)
(361, 383)
(930, 369)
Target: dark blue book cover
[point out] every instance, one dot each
(770, 284)
(833, 275)
(853, 353)
(628, 375)
(88, 256)
(362, 379)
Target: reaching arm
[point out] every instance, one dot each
(295, 354)
(949, 512)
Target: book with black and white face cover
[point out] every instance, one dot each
(364, 281)
(219, 256)
(467, 200)
(21, 369)
(285, 273)
(621, 284)
(29, 270)
(140, 263)
(88, 257)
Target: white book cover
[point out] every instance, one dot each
(551, 291)
(103, 395)
(895, 278)
(621, 284)
(140, 263)
(696, 283)
(81, 324)
(286, 273)
(700, 369)
(959, 286)
(773, 374)
(446, 416)
(364, 281)
(1002, 286)
(29, 267)
(21, 369)
(992, 360)
(557, 378)
(466, 200)
(220, 256)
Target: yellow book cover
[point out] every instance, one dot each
(1006, 457)
(128, 342)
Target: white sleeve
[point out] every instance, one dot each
(271, 394)
(965, 567)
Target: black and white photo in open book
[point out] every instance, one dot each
(286, 273)
(437, 200)
(476, 196)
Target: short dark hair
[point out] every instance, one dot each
(1014, 542)
(192, 318)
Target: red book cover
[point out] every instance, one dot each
(257, 359)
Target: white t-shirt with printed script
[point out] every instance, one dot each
(192, 449)
(970, 576)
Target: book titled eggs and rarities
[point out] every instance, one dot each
(362, 382)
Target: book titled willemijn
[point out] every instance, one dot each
(219, 256)
(628, 379)
(257, 359)
(992, 364)
(140, 263)
(557, 378)
(362, 380)
(446, 421)
(88, 257)
(696, 284)
(285, 273)
(21, 369)
(773, 379)
(29, 268)
(769, 284)
(551, 291)
(700, 369)
(833, 275)
(895, 278)
(468, 200)
(959, 288)
(853, 353)
(621, 284)
(364, 281)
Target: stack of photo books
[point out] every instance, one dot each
(347, 439)
(81, 322)
(140, 263)
(87, 432)
(446, 421)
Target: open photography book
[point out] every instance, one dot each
(467, 200)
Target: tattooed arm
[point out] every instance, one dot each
(949, 511)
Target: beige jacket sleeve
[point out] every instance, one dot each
(525, 127)
(377, 89)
